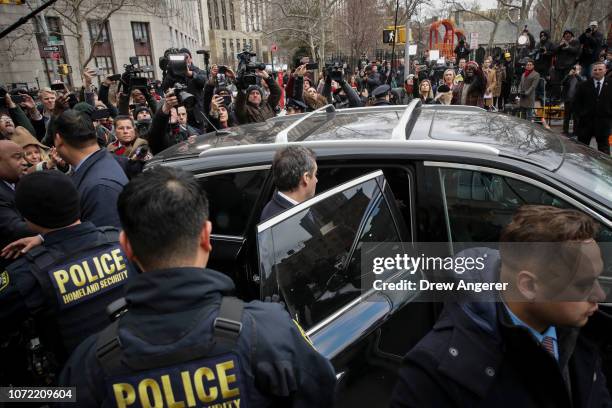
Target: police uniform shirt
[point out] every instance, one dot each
(173, 310)
(95, 276)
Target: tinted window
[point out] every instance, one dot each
(232, 197)
(313, 258)
(481, 204)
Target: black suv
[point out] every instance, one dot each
(386, 174)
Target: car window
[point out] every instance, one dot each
(312, 258)
(480, 204)
(231, 199)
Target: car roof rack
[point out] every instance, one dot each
(282, 136)
(399, 131)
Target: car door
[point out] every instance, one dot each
(311, 255)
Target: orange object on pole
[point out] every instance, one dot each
(447, 47)
(279, 79)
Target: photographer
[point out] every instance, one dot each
(543, 55)
(182, 71)
(592, 42)
(462, 50)
(158, 137)
(342, 97)
(250, 105)
(216, 92)
(303, 94)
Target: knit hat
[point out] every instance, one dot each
(296, 104)
(141, 108)
(254, 88)
(568, 31)
(474, 64)
(48, 199)
(84, 107)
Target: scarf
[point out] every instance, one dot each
(527, 72)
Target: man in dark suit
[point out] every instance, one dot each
(593, 108)
(97, 176)
(527, 348)
(294, 170)
(12, 224)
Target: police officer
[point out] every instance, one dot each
(184, 341)
(381, 95)
(60, 289)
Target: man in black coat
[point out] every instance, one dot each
(462, 50)
(12, 166)
(593, 108)
(184, 334)
(526, 349)
(294, 170)
(96, 174)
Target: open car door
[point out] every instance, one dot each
(311, 255)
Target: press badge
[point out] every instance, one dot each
(209, 382)
(88, 277)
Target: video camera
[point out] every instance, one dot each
(247, 67)
(132, 76)
(335, 70)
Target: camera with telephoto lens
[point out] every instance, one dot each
(334, 70)
(142, 126)
(184, 98)
(247, 67)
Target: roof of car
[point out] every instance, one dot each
(425, 127)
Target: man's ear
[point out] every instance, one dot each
(127, 247)
(527, 285)
(205, 236)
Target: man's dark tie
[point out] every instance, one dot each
(598, 87)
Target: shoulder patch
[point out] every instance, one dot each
(303, 333)
(4, 280)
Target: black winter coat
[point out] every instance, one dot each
(476, 357)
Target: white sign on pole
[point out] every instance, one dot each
(412, 49)
(473, 41)
(434, 55)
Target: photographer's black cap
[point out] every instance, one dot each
(48, 199)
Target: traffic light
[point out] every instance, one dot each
(64, 69)
(397, 34)
(15, 2)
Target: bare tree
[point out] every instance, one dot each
(75, 14)
(563, 14)
(305, 20)
(494, 17)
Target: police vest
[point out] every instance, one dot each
(79, 286)
(206, 375)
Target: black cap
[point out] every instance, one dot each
(48, 199)
(443, 88)
(141, 108)
(381, 91)
(297, 104)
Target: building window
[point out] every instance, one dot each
(224, 14)
(238, 49)
(224, 45)
(140, 32)
(216, 15)
(231, 7)
(50, 59)
(142, 46)
(105, 65)
(257, 22)
(94, 27)
(251, 44)
(231, 50)
(244, 43)
(257, 47)
(210, 19)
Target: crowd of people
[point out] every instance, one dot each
(76, 227)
